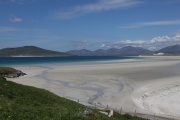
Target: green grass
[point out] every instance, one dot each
(6, 70)
(19, 102)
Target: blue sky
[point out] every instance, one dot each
(64, 25)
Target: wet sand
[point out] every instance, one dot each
(149, 86)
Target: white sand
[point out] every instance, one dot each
(161, 97)
(150, 85)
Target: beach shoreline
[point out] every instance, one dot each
(132, 85)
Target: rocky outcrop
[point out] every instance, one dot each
(88, 114)
(2, 78)
(16, 74)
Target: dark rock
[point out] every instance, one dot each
(16, 74)
(88, 113)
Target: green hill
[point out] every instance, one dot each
(29, 51)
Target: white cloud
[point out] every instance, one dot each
(162, 39)
(120, 44)
(14, 19)
(133, 42)
(153, 23)
(153, 44)
(99, 6)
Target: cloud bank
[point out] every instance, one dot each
(99, 6)
(152, 23)
(153, 44)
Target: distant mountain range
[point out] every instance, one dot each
(125, 51)
(29, 51)
(174, 49)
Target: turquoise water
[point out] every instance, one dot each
(4, 61)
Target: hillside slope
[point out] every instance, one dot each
(174, 49)
(29, 51)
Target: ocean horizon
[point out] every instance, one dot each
(6, 61)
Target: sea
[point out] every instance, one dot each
(9, 61)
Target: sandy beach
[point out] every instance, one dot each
(149, 86)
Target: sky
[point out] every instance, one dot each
(63, 25)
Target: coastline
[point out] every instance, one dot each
(119, 84)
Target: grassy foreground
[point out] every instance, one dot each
(19, 102)
(6, 70)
